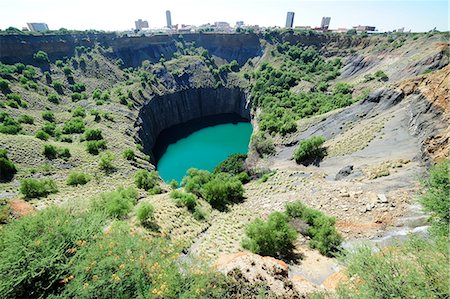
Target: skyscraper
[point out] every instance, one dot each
(290, 19)
(169, 19)
(325, 23)
(140, 24)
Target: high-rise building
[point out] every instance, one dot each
(290, 19)
(169, 19)
(325, 24)
(140, 24)
(37, 26)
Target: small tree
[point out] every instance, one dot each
(33, 188)
(145, 214)
(7, 167)
(106, 162)
(147, 180)
(78, 178)
(310, 149)
(274, 237)
(41, 57)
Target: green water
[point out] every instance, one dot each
(204, 149)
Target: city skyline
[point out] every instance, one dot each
(385, 15)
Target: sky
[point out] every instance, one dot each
(111, 15)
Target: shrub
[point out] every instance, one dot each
(145, 214)
(9, 125)
(41, 57)
(50, 151)
(74, 125)
(53, 98)
(58, 86)
(93, 134)
(42, 135)
(129, 154)
(310, 148)
(183, 199)
(147, 180)
(93, 147)
(322, 231)
(262, 144)
(195, 180)
(4, 84)
(76, 97)
(273, 238)
(36, 251)
(67, 71)
(234, 164)
(33, 188)
(436, 200)
(49, 128)
(222, 190)
(79, 112)
(77, 87)
(64, 153)
(106, 162)
(7, 167)
(78, 178)
(243, 177)
(342, 88)
(25, 119)
(116, 204)
(48, 116)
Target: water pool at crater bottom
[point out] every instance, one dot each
(204, 149)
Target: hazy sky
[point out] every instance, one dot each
(417, 15)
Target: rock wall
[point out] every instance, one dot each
(162, 112)
(132, 50)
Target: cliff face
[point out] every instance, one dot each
(132, 50)
(162, 112)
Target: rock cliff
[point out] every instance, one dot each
(162, 112)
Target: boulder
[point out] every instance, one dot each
(346, 171)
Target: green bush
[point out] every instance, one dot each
(77, 178)
(53, 98)
(76, 96)
(195, 180)
(42, 135)
(93, 147)
(322, 230)
(129, 154)
(222, 190)
(64, 153)
(33, 188)
(41, 57)
(36, 251)
(148, 180)
(67, 71)
(273, 238)
(25, 119)
(145, 214)
(48, 116)
(343, 88)
(93, 134)
(262, 144)
(58, 86)
(49, 128)
(234, 164)
(116, 204)
(436, 200)
(183, 199)
(310, 149)
(9, 125)
(4, 84)
(106, 162)
(50, 151)
(74, 125)
(15, 101)
(7, 167)
(79, 112)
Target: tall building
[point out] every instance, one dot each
(290, 19)
(140, 24)
(169, 19)
(325, 24)
(37, 26)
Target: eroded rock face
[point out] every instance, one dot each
(162, 112)
(268, 270)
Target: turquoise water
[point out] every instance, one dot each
(204, 149)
